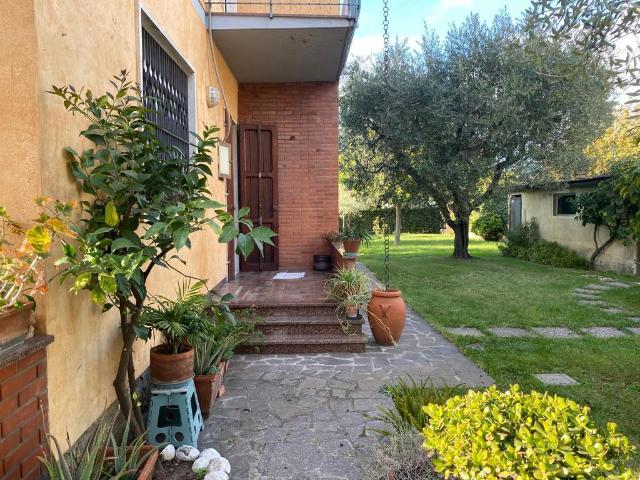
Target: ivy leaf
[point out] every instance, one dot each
(111, 217)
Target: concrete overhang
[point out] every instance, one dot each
(263, 49)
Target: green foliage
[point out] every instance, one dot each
(183, 322)
(493, 434)
(414, 219)
(468, 110)
(91, 462)
(349, 287)
(627, 185)
(408, 398)
(350, 230)
(489, 226)
(226, 336)
(524, 243)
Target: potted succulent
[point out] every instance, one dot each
(183, 322)
(103, 457)
(353, 235)
(212, 355)
(350, 287)
(22, 267)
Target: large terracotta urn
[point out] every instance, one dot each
(387, 313)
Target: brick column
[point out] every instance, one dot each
(23, 409)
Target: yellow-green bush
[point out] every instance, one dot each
(497, 435)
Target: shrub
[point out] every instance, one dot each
(493, 434)
(414, 220)
(524, 243)
(489, 226)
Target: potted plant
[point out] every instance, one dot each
(183, 322)
(21, 268)
(212, 356)
(350, 287)
(103, 457)
(353, 235)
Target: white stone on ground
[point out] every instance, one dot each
(555, 379)
(218, 475)
(220, 464)
(209, 453)
(187, 453)
(168, 453)
(201, 465)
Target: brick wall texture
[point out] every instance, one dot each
(306, 117)
(23, 409)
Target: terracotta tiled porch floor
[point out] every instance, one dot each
(259, 288)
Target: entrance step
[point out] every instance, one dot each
(307, 343)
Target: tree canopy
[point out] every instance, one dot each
(462, 111)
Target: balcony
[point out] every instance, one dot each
(269, 41)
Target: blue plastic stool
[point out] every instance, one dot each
(174, 414)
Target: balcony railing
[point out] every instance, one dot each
(335, 8)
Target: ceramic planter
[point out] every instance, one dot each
(14, 326)
(351, 246)
(146, 472)
(352, 312)
(387, 313)
(170, 368)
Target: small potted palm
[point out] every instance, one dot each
(212, 355)
(353, 234)
(183, 323)
(22, 267)
(350, 287)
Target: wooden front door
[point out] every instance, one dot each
(259, 188)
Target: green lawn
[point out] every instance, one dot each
(491, 290)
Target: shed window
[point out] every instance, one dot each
(166, 90)
(564, 204)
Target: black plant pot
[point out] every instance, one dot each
(322, 263)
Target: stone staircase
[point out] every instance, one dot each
(306, 328)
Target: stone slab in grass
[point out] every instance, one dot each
(582, 292)
(600, 303)
(555, 332)
(634, 319)
(603, 332)
(634, 330)
(612, 310)
(466, 332)
(555, 379)
(614, 283)
(597, 287)
(508, 332)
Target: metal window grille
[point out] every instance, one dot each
(166, 95)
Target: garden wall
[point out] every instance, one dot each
(86, 43)
(306, 116)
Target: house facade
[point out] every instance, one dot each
(554, 210)
(265, 72)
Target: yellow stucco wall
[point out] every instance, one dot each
(568, 231)
(85, 43)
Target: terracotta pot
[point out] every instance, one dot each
(352, 312)
(146, 472)
(14, 326)
(170, 368)
(387, 313)
(207, 388)
(351, 246)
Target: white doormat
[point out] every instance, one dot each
(289, 276)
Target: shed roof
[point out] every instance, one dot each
(563, 184)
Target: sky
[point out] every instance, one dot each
(408, 17)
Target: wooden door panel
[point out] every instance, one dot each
(259, 188)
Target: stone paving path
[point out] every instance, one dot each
(588, 295)
(304, 417)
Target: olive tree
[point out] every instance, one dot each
(142, 202)
(463, 112)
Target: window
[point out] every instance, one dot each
(564, 204)
(166, 89)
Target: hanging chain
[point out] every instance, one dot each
(385, 73)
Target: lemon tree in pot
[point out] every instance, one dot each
(22, 266)
(182, 323)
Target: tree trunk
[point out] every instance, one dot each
(599, 249)
(461, 239)
(398, 223)
(122, 382)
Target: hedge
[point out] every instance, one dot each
(414, 220)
